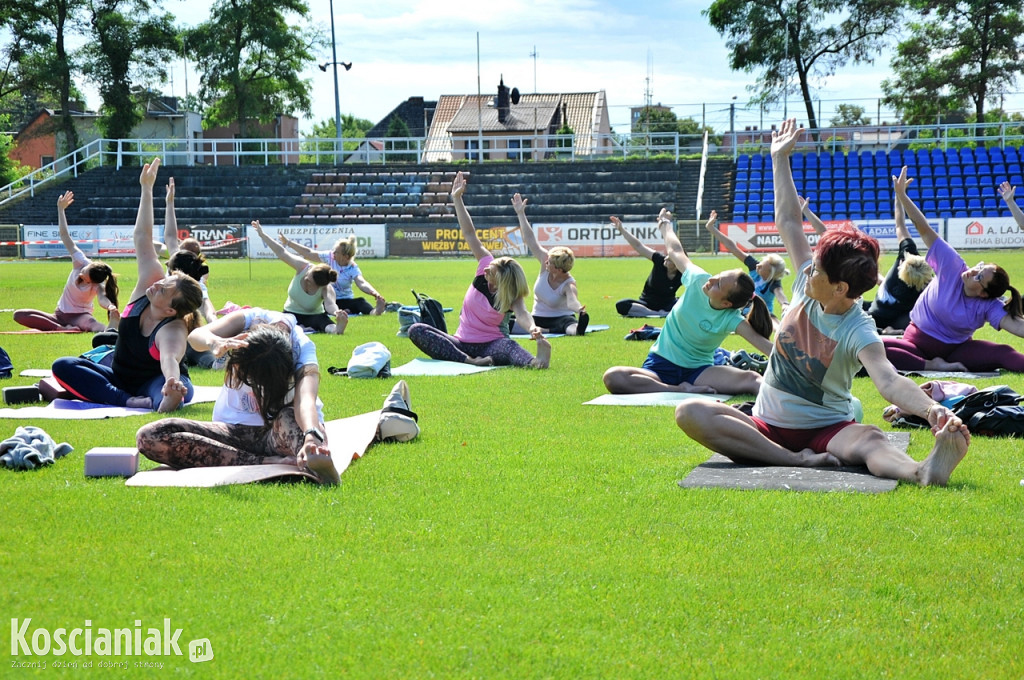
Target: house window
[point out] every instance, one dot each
(475, 144)
(516, 147)
(45, 160)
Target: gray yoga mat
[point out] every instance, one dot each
(719, 472)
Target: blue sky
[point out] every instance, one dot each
(429, 48)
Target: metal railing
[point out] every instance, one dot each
(318, 151)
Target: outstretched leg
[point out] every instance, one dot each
(868, 445)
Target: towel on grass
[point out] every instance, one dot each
(30, 448)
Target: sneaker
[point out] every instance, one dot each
(749, 361)
(581, 325)
(393, 306)
(397, 420)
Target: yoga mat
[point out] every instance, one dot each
(349, 438)
(593, 328)
(33, 331)
(70, 409)
(36, 373)
(951, 374)
(437, 367)
(721, 473)
(653, 398)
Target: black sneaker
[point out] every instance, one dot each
(581, 325)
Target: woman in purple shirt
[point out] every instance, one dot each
(957, 302)
(498, 288)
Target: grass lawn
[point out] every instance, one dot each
(521, 535)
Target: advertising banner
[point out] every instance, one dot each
(984, 232)
(219, 241)
(763, 237)
(371, 239)
(585, 239)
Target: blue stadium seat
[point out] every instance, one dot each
(929, 207)
(959, 204)
(988, 191)
(924, 157)
(972, 192)
(839, 185)
(966, 155)
(972, 180)
(810, 185)
(797, 161)
(941, 182)
(743, 162)
(992, 213)
(943, 192)
(868, 194)
(974, 205)
(825, 185)
(1012, 154)
(960, 213)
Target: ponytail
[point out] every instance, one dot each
(100, 272)
(1013, 305)
(760, 318)
(111, 289)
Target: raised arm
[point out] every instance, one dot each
(900, 185)
(465, 221)
(674, 249)
(170, 221)
(816, 224)
(63, 201)
(305, 253)
(1008, 192)
(632, 240)
(788, 218)
(529, 238)
(729, 244)
(150, 269)
(900, 217)
(296, 262)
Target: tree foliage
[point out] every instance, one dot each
(959, 53)
(801, 40)
(129, 44)
(250, 59)
(660, 120)
(849, 115)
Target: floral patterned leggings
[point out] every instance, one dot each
(439, 345)
(183, 443)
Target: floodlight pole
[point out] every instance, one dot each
(337, 101)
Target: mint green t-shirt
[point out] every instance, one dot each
(694, 329)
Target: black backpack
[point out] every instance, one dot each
(431, 312)
(6, 367)
(981, 409)
(985, 400)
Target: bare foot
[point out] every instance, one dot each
(323, 467)
(113, 319)
(379, 309)
(940, 364)
(950, 448)
(170, 402)
(480, 361)
(543, 359)
(687, 388)
(139, 402)
(811, 458)
(889, 330)
(342, 321)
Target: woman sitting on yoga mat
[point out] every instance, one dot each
(89, 280)
(498, 288)
(268, 410)
(766, 274)
(682, 358)
(659, 294)
(342, 259)
(555, 299)
(310, 296)
(898, 293)
(147, 371)
(803, 415)
(957, 302)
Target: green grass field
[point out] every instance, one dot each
(521, 535)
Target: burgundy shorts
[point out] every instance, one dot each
(797, 440)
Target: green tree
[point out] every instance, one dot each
(849, 115)
(127, 41)
(959, 53)
(251, 58)
(351, 128)
(398, 128)
(801, 39)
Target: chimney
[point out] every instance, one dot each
(503, 101)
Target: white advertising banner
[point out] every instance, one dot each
(984, 232)
(371, 239)
(95, 241)
(763, 237)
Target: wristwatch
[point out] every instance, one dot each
(315, 431)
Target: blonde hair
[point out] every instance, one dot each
(915, 272)
(562, 258)
(510, 283)
(347, 246)
(778, 266)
